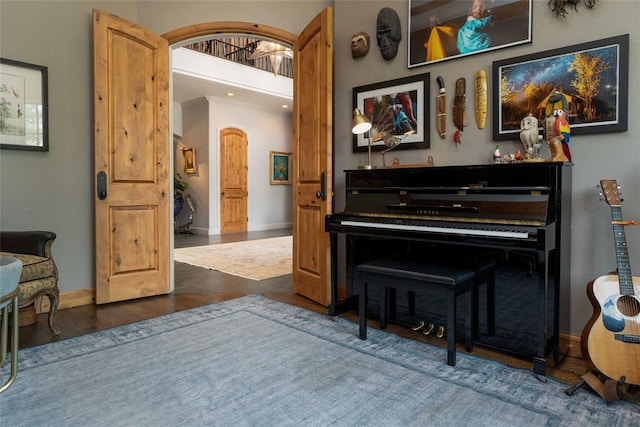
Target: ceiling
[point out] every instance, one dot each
(187, 88)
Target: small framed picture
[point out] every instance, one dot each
(189, 155)
(280, 168)
(24, 121)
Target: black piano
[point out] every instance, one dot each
(514, 215)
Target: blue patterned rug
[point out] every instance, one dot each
(253, 361)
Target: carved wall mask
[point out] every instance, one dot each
(388, 32)
(359, 44)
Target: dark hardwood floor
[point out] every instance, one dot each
(195, 286)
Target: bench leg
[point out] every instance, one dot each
(362, 310)
(491, 304)
(469, 323)
(385, 307)
(411, 301)
(451, 327)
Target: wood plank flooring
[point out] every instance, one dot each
(195, 286)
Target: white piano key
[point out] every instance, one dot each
(443, 230)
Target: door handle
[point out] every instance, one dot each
(322, 194)
(101, 184)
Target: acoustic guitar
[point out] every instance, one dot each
(611, 339)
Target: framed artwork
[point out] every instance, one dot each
(397, 109)
(280, 168)
(593, 77)
(442, 30)
(24, 121)
(189, 155)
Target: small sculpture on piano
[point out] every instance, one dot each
(530, 137)
(556, 127)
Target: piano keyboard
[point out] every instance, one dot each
(443, 230)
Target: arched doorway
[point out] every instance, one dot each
(215, 84)
(212, 28)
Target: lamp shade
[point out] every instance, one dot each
(359, 124)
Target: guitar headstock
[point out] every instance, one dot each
(610, 192)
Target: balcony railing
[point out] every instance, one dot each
(238, 50)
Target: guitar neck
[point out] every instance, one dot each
(625, 277)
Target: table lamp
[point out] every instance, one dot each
(360, 125)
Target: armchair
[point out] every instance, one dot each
(39, 272)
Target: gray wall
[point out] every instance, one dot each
(54, 190)
(613, 155)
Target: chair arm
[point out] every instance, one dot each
(27, 242)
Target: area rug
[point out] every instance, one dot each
(253, 361)
(252, 259)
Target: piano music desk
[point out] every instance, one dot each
(414, 276)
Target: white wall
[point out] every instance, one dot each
(269, 206)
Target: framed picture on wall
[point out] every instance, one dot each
(398, 111)
(443, 30)
(280, 167)
(24, 121)
(593, 77)
(189, 155)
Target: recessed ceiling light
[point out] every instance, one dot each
(285, 106)
(230, 94)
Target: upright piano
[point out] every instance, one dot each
(514, 215)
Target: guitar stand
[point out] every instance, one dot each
(607, 389)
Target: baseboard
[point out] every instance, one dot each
(68, 300)
(571, 343)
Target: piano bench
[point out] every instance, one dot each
(485, 274)
(413, 277)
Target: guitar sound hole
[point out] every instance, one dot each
(628, 305)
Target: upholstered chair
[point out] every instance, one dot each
(39, 272)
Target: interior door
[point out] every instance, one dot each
(312, 158)
(131, 137)
(233, 180)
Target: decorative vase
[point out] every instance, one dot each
(178, 203)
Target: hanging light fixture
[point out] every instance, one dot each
(274, 51)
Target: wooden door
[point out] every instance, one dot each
(131, 138)
(233, 180)
(312, 158)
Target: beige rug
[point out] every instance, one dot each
(255, 259)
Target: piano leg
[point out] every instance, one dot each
(540, 369)
(337, 307)
(540, 361)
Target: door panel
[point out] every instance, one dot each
(233, 180)
(313, 100)
(132, 149)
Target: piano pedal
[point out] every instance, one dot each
(418, 326)
(429, 329)
(440, 332)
